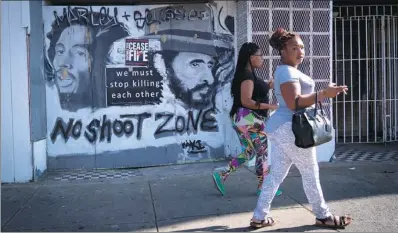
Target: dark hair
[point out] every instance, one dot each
(280, 37)
(246, 50)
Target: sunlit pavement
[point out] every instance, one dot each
(183, 198)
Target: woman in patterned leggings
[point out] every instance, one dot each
(291, 84)
(248, 115)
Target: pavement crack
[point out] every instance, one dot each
(20, 209)
(302, 205)
(153, 206)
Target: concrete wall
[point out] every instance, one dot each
(37, 85)
(232, 144)
(37, 92)
(16, 147)
(111, 105)
(64, 70)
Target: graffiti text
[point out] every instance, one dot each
(102, 18)
(193, 146)
(103, 128)
(166, 14)
(181, 124)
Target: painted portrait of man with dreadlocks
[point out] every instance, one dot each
(77, 55)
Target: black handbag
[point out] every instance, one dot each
(311, 127)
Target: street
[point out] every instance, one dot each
(183, 198)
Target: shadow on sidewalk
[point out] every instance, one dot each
(219, 229)
(183, 198)
(302, 228)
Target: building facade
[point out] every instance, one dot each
(365, 57)
(113, 86)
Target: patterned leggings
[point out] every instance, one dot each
(284, 154)
(253, 140)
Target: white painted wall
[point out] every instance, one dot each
(39, 157)
(232, 145)
(16, 149)
(62, 148)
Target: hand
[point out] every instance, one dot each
(271, 83)
(333, 90)
(273, 106)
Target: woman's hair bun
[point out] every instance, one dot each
(280, 31)
(275, 40)
(280, 37)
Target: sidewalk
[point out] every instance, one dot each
(367, 152)
(183, 198)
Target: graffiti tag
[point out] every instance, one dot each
(166, 14)
(87, 15)
(194, 146)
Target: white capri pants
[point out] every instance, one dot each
(284, 154)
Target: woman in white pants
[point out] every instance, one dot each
(289, 84)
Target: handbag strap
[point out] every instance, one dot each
(320, 104)
(296, 103)
(316, 104)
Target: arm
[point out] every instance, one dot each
(291, 89)
(271, 83)
(246, 90)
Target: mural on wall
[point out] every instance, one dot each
(121, 78)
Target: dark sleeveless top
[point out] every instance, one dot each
(260, 94)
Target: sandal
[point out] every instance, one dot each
(333, 221)
(264, 223)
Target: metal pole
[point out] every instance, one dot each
(374, 78)
(367, 81)
(344, 117)
(335, 76)
(360, 78)
(351, 83)
(384, 71)
(389, 77)
(395, 86)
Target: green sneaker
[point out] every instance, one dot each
(278, 192)
(258, 192)
(218, 182)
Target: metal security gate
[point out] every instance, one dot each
(312, 20)
(366, 59)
